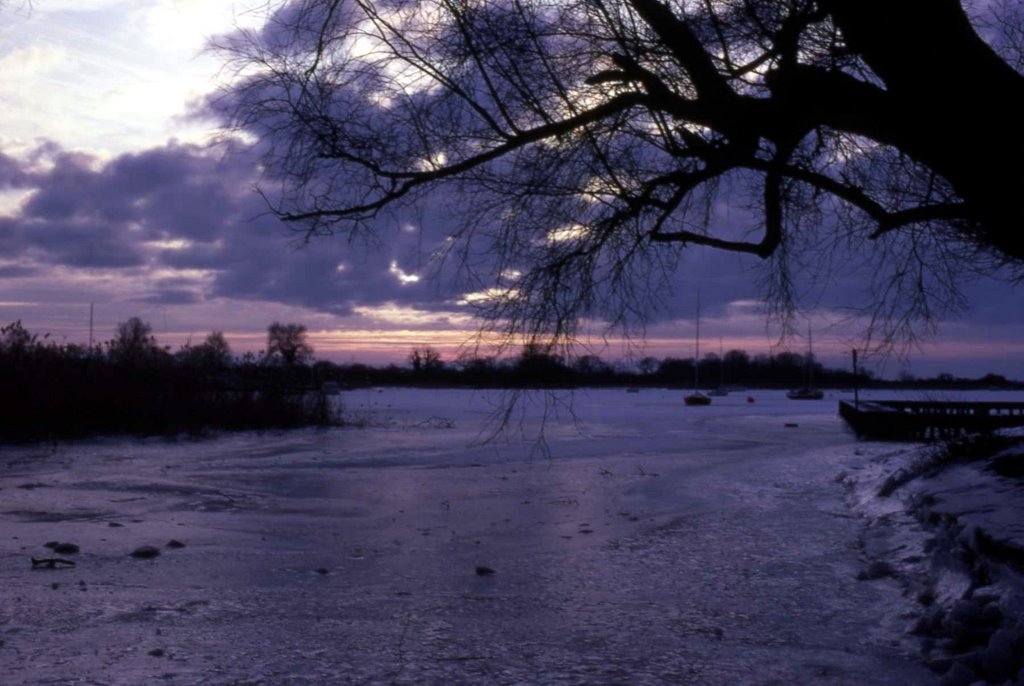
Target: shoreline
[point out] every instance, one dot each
(950, 530)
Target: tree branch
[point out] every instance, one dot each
(412, 180)
(687, 49)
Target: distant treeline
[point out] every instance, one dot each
(131, 385)
(536, 368)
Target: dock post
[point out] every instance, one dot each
(856, 385)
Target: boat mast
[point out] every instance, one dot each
(696, 359)
(721, 364)
(810, 357)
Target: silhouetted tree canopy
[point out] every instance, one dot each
(212, 354)
(55, 390)
(588, 140)
(289, 342)
(216, 349)
(425, 359)
(15, 339)
(133, 342)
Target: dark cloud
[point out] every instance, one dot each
(290, 25)
(69, 189)
(181, 208)
(171, 297)
(326, 274)
(86, 243)
(15, 271)
(176, 190)
(189, 216)
(12, 175)
(368, 278)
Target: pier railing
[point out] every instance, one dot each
(924, 420)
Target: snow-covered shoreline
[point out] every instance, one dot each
(949, 526)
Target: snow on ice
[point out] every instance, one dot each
(638, 541)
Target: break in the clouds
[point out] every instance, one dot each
(110, 76)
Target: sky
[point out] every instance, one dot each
(117, 199)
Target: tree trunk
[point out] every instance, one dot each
(958, 107)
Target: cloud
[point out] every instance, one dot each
(12, 175)
(110, 75)
(30, 65)
(173, 296)
(17, 271)
(190, 211)
(178, 228)
(186, 209)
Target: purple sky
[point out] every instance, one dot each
(112, 195)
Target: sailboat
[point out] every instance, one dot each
(697, 398)
(808, 392)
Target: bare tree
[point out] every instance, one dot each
(590, 140)
(289, 342)
(425, 359)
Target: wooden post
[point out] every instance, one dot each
(856, 385)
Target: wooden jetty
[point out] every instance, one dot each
(928, 420)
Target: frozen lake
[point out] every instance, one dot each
(643, 543)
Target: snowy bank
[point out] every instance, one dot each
(948, 522)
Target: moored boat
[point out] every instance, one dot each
(697, 398)
(808, 392)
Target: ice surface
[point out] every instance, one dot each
(642, 542)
